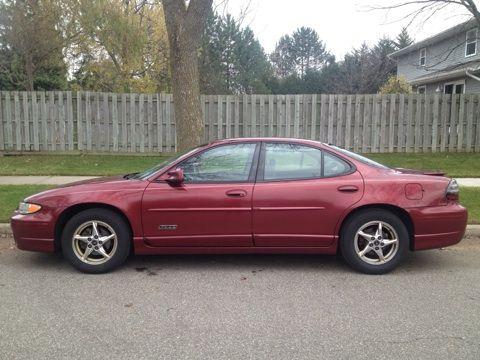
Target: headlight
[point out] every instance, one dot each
(25, 208)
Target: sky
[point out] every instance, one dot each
(341, 24)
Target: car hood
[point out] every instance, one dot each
(89, 190)
(99, 180)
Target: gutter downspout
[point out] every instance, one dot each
(471, 75)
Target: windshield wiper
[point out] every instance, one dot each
(130, 176)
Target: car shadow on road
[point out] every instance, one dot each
(424, 261)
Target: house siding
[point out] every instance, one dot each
(472, 86)
(445, 53)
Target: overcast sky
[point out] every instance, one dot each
(341, 24)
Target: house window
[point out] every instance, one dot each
(421, 89)
(457, 87)
(423, 56)
(471, 42)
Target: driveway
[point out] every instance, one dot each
(241, 307)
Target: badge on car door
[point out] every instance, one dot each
(167, 227)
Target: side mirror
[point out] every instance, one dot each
(175, 177)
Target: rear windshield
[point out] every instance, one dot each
(360, 158)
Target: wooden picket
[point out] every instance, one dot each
(108, 122)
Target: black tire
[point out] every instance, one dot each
(111, 219)
(348, 240)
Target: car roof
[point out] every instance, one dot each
(267, 139)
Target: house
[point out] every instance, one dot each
(448, 62)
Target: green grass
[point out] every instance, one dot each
(76, 164)
(454, 164)
(11, 195)
(470, 198)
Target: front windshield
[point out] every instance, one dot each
(360, 158)
(147, 173)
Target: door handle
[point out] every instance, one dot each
(236, 193)
(348, 188)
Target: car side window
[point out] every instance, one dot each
(227, 163)
(334, 166)
(291, 161)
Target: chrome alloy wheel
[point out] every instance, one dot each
(94, 242)
(376, 242)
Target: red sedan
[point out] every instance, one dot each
(258, 195)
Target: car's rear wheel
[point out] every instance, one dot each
(96, 241)
(374, 241)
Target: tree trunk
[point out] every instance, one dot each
(29, 72)
(185, 26)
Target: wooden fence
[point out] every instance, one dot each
(106, 122)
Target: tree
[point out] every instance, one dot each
(232, 60)
(31, 45)
(396, 85)
(308, 51)
(364, 70)
(282, 57)
(314, 81)
(185, 26)
(423, 10)
(403, 39)
(299, 53)
(123, 47)
(354, 72)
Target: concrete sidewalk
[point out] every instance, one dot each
(42, 180)
(61, 180)
(468, 181)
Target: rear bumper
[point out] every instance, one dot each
(438, 226)
(33, 232)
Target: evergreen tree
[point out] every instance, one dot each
(365, 70)
(232, 60)
(403, 39)
(282, 57)
(299, 53)
(308, 51)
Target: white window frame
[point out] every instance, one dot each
(454, 83)
(468, 42)
(424, 87)
(424, 57)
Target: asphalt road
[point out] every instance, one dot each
(241, 307)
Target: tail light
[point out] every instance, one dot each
(452, 190)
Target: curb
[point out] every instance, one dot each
(5, 231)
(5, 228)
(472, 230)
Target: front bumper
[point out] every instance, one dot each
(438, 226)
(34, 232)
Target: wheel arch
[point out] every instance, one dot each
(67, 213)
(400, 212)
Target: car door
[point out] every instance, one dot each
(300, 193)
(211, 207)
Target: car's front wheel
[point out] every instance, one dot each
(96, 241)
(374, 241)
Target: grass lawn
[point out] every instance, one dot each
(76, 164)
(470, 198)
(454, 164)
(11, 195)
